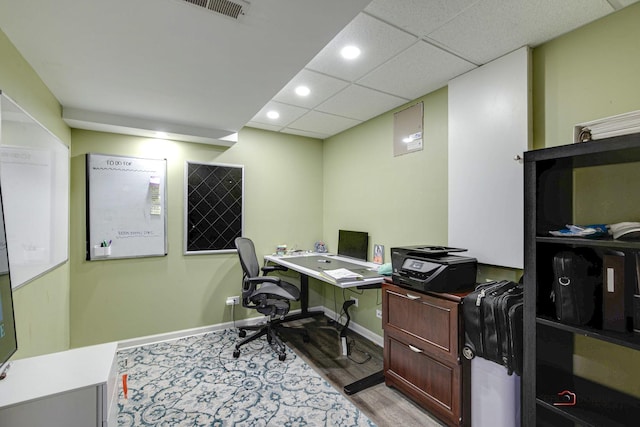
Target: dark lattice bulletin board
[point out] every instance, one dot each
(213, 207)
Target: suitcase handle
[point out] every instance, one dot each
(414, 349)
(413, 297)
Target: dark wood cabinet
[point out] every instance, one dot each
(564, 185)
(423, 338)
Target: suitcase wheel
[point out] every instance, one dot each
(468, 353)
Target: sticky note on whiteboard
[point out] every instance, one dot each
(156, 209)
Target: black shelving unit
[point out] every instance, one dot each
(548, 343)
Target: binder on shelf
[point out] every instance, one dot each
(613, 317)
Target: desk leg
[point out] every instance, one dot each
(304, 302)
(304, 293)
(366, 382)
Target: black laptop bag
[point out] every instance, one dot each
(576, 276)
(493, 324)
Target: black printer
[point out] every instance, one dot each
(433, 268)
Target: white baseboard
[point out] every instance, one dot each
(170, 336)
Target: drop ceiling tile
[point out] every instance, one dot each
(417, 17)
(377, 41)
(315, 121)
(419, 70)
(288, 113)
(360, 103)
(492, 28)
(321, 86)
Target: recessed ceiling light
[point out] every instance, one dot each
(273, 114)
(303, 90)
(161, 134)
(350, 52)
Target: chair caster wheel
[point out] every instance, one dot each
(282, 357)
(305, 338)
(242, 333)
(236, 353)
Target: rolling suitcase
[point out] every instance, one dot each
(515, 324)
(493, 324)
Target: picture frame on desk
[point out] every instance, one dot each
(378, 254)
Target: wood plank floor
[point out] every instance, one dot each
(384, 405)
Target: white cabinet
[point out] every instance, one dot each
(74, 388)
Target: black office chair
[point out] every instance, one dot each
(268, 295)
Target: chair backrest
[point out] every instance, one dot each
(248, 258)
(250, 267)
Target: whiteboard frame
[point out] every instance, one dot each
(89, 241)
(186, 208)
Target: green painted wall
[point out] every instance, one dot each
(41, 306)
(585, 75)
(120, 299)
(399, 201)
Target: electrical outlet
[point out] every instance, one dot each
(233, 300)
(378, 313)
(354, 299)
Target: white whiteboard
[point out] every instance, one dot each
(126, 207)
(34, 176)
(489, 125)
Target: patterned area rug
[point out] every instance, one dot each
(195, 381)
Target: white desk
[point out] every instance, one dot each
(311, 265)
(67, 389)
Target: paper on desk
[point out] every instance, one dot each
(342, 275)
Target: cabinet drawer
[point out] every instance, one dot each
(430, 322)
(434, 385)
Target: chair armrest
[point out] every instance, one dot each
(269, 268)
(264, 279)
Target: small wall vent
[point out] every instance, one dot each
(233, 9)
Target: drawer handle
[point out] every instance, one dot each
(414, 349)
(414, 297)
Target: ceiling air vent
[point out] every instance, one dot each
(233, 9)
